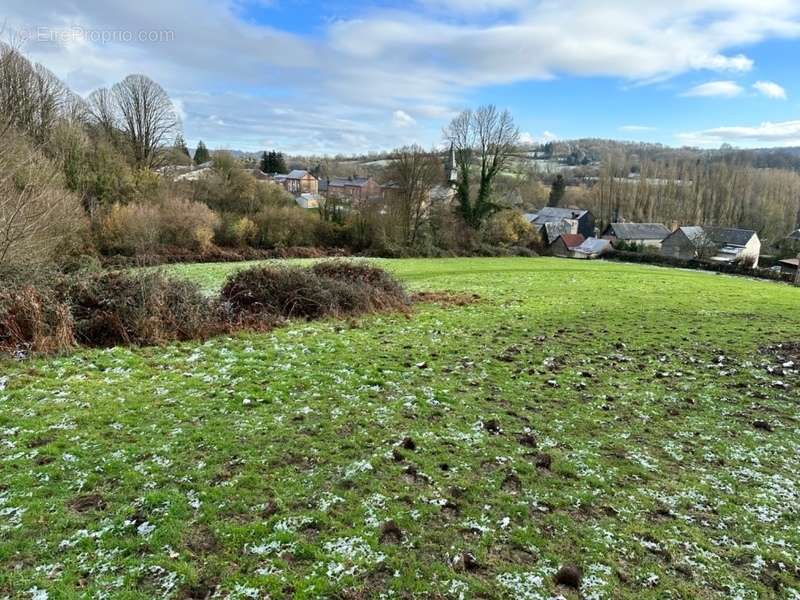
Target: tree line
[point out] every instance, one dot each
(700, 192)
(96, 176)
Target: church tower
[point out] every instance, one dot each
(451, 169)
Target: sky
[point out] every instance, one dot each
(349, 76)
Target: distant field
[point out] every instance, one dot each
(610, 416)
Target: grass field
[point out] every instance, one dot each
(625, 419)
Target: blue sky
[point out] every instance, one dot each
(332, 76)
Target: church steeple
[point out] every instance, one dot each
(451, 170)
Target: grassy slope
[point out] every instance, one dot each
(263, 464)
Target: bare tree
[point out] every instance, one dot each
(32, 99)
(37, 215)
(147, 118)
(484, 140)
(414, 174)
(102, 111)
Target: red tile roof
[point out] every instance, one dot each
(572, 239)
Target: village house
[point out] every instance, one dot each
(308, 200)
(789, 266)
(646, 235)
(356, 189)
(591, 248)
(741, 245)
(565, 244)
(714, 243)
(298, 182)
(686, 243)
(581, 221)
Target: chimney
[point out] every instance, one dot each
(674, 226)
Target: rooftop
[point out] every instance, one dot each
(731, 237)
(297, 174)
(551, 214)
(694, 233)
(638, 231)
(352, 181)
(592, 246)
(572, 240)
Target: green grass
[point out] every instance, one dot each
(262, 465)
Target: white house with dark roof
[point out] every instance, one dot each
(721, 244)
(732, 245)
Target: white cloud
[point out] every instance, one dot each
(723, 89)
(549, 136)
(401, 118)
(356, 68)
(770, 89)
(526, 138)
(766, 134)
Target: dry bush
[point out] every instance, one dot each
(144, 309)
(279, 291)
(387, 291)
(285, 226)
(138, 228)
(128, 229)
(244, 231)
(34, 319)
(186, 224)
(282, 292)
(40, 221)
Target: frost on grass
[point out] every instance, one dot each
(297, 484)
(349, 556)
(526, 586)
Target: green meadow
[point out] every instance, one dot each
(637, 422)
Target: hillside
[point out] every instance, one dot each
(639, 423)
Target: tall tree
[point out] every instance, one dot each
(180, 145)
(557, 191)
(273, 162)
(414, 173)
(32, 99)
(280, 163)
(102, 111)
(483, 141)
(147, 117)
(201, 154)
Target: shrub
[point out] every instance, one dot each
(128, 229)
(279, 291)
(328, 289)
(285, 226)
(186, 224)
(137, 228)
(40, 221)
(244, 231)
(508, 227)
(119, 308)
(363, 274)
(734, 268)
(34, 319)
